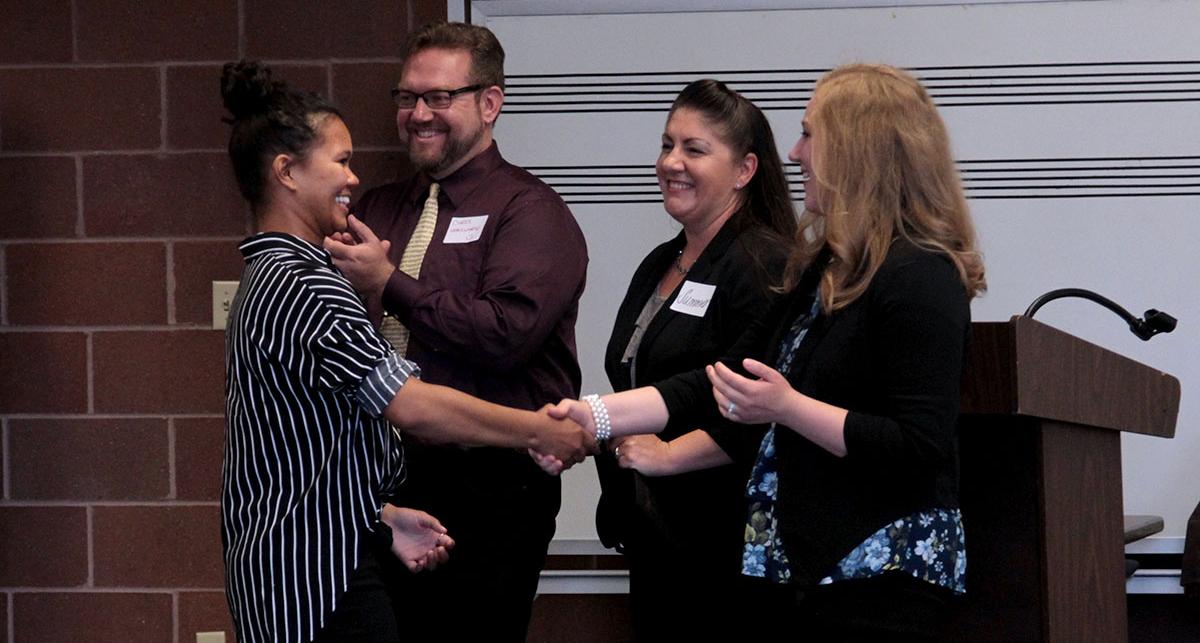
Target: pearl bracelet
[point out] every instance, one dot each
(599, 417)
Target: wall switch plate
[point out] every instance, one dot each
(210, 637)
(223, 292)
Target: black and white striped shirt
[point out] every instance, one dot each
(308, 456)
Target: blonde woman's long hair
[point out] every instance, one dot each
(883, 167)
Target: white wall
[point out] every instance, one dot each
(1135, 245)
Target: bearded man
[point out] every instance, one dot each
(475, 268)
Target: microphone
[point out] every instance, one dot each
(1148, 325)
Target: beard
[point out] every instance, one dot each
(458, 144)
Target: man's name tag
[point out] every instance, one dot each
(693, 298)
(465, 229)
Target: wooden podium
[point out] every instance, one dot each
(1040, 445)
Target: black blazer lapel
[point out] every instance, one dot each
(700, 272)
(644, 281)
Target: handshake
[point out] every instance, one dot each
(566, 436)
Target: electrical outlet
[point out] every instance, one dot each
(210, 637)
(223, 292)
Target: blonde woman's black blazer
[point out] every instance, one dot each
(893, 358)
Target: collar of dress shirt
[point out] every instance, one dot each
(464, 181)
(265, 242)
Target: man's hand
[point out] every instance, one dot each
(361, 257)
(418, 539)
(562, 439)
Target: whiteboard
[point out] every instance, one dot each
(1076, 126)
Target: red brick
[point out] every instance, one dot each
(377, 168)
(37, 197)
(36, 31)
(162, 195)
(60, 284)
(362, 92)
(158, 546)
(43, 547)
(324, 29)
(88, 459)
(199, 452)
(196, 265)
(123, 31)
(85, 616)
(159, 372)
(79, 109)
(204, 612)
(43, 373)
(194, 109)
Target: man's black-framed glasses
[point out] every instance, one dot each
(434, 98)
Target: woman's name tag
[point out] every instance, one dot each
(693, 298)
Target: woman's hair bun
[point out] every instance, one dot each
(247, 88)
(268, 119)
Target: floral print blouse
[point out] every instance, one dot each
(928, 544)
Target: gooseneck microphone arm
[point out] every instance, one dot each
(1145, 327)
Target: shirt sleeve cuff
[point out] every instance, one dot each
(399, 294)
(384, 382)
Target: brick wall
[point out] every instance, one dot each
(117, 210)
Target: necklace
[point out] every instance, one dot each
(679, 264)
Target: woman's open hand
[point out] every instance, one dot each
(750, 401)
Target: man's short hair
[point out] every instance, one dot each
(487, 56)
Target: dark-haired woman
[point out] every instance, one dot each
(851, 520)
(310, 389)
(721, 178)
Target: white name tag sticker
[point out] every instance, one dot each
(693, 298)
(465, 229)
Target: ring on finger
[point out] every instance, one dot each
(730, 409)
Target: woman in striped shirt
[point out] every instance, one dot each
(311, 388)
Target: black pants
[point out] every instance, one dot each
(502, 522)
(683, 596)
(364, 613)
(892, 607)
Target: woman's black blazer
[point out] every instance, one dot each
(893, 358)
(702, 509)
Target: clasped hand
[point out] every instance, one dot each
(646, 454)
(577, 412)
(564, 441)
(741, 399)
